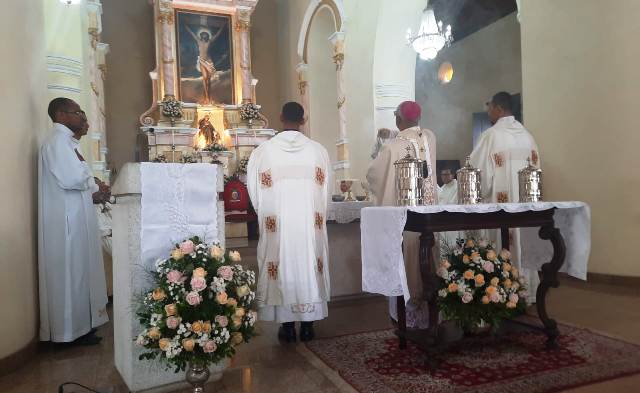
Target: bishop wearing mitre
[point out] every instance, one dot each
(501, 152)
(288, 182)
(411, 140)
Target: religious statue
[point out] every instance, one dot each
(204, 63)
(209, 132)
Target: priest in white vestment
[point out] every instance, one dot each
(382, 180)
(501, 152)
(448, 195)
(288, 182)
(73, 295)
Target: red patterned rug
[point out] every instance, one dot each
(515, 362)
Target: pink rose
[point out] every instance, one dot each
(222, 320)
(187, 247)
(495, 297)
(488, 267)
(198, 284)
(225, 272)
(513, 298)
(467, 297)
(175, 277)
(210, 346)
(194, 298)
(173, 322)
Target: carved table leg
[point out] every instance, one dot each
(402, 322)
(550, 280)
(504, 237)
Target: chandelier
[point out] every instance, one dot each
(431, 37)
(70, 2)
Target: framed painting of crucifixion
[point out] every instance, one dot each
(204, 45)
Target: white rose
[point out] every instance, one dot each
(235, 256)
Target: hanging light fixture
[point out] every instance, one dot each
(431, 37)
(70, 2)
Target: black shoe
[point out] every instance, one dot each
(287, 332)
(306, 331)
(88, 339)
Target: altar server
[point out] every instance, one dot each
(382, 180)
(500, 153)
(73, 294)
(288, 182)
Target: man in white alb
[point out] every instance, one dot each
(448, 195)
(382, 180)
(73, 294)
(500, 153)
(288, 182)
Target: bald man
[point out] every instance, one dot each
(382, 179)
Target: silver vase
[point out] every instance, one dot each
(197, 376)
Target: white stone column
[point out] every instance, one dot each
(303, 84)
(342, 166)
(166, 20)
(243, 27)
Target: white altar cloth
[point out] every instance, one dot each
(346, 212)
(383, 269)
(157, 204)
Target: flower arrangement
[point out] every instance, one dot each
(215, 147)
(171, 107)
(200, 307)
(189, 159)
(160, 158)
(477, 285)
(242, 166)
(249, 111)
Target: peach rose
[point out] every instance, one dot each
(222, 320)
(505, 254)
(199, 272)
(187, 247)
(176, 254)
(495, 281)
(491, 290)
(485, 300)
(188, 344)
(210, 346)
(206, 327)
(158, 294)
(236, 338)
(453, 287)
(240, 312)
(515, 285)
(154, 333)
(237, 321)
(217, 252)
(491, 255)
(507, 283)
(511, 305)
(466, 259)
(222, 298)
(197, 327)
(506, 266)
(479, 280)
(170, 309)
(475, 256)
(515, 272)
(235, 256)
(164, 344)
(193, 298)
(243, 291)
(232, 302)
(470, 243)
(468, 275)
(173, 322)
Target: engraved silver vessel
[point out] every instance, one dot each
(530, 183)
(469, 186)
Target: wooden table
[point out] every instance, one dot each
(428, 223)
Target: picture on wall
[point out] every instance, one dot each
(205, 58)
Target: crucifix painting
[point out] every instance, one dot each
(205, 59)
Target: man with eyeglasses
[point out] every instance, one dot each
(73, 295)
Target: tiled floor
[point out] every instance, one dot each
(266, 366)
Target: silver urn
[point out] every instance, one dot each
(410, 180)
(530, 183)
(469, 186)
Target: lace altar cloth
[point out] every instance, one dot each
(178, 201)
(383, 269)
(346, 212)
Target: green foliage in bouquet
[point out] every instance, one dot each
(200, 308)
(478, 284)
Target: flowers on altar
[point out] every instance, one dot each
(478, 284)
(171, 107)
(215, 147)
(249, 111)
(201, 306)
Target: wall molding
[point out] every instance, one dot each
(64, 88)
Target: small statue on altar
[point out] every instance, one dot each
(211, 136)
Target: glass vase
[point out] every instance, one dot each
(197, 375)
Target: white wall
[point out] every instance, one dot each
(581, 93)
(484, 63)
(23, 107)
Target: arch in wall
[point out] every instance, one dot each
(336, 9)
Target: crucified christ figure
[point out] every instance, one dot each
(204, 63)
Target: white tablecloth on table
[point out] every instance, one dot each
(346, 212)
(383, 269)
(178, 201)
